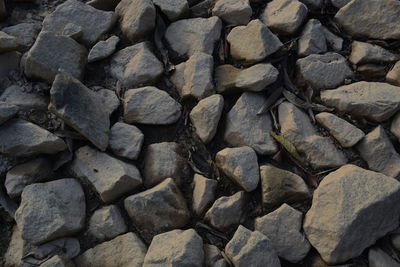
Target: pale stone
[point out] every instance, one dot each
(312, 39)
(393, 76)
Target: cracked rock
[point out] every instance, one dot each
(233, 12)
(103, 49)
(7, 111)
(393, 76)
(203, 193)
(24, 32)
(7, 42)
(126, 140)
(368, 53)
(107, 223)
(173, 9)
(312, 39)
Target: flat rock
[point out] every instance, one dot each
(78, 106)
(252, 43)
(173, 9)
(379, 258)
(312, 39)
(393, 76)
(233, 12)
(51, 210)
(213, 256)
(203, 193)
(283, 228)
(7, 42)
(125, 140)
(25, 101)
(245, 128)
(103, 49)
(24, 32)
(205, 116)
(107, 223)
(347, 204)
(362, 53)
(110, 177)
(185, 248)
(7, 111)
(372, 100)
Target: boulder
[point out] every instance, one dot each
(107, 223)
(233, 12)
(125, 140)
(106, 5)
(339, 3)
(57, 261)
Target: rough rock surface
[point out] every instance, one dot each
(7, 111)
(378, 258)
(213, 257)
(173, 9)
(103, 49)
(368, 53)
(16, 95)
(393, 76)
(7, 42)
(125, 140)
(233, 12)
(312, 39)
(107, 223)
(24, 32)
(343, 202)
(203, 193)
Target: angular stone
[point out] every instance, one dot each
(173, 9)
(213, 257)
(24, 32)
(339, 3)
(377, 258)
(126, 140)
(15, 95)
(205, 117)
(7, 42)
(312, 39)
(110, 177)
(7, 111)
(51, 210)
(347, 204)
(203, 193)
(368, 53)
(233, 12)
(103, 49)
(245, 128)
(107, 223)
(78, 106)
(393, 76)
(57, 261)
(107, 5)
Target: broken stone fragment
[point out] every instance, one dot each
(312, 39)
(7, 111)
(393, 76)
(173, 9)
(7, 42)
(203, 193)
(368, 53)
(233, 12)
(103, 49)
(125, 140)
(107, 223)
(25, 33)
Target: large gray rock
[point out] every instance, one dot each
(368, 53)
(51, 210)
(379, 258)
(312, 39)
(24, 32)
(173, 9)
(103, 49)
(107, 223)
(393, 76)
(7, 42)
(125, 140)
(349, 203)
(7, 111)
(25, 101)
(233, 12)
(203, 193)
(110, 177)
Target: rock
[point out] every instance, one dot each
(314, 4)
(21, 138)
(279, 186)
(203, 193)
(369, 53)
(7, 111)
(9, 62)
(107, 5)
(240, 165)
(282, 227)
(335, 42)
(252, 43)
(103, 49)
(94, 22)
(226, 212)
(107, 223)
(110, 177)
(342, 205)
(33, 171)
(312, 39)
(372, 72)
(24, 32)
(109, 100)
(188, 36)
(284, 16)
(378, 258)
(173, 9)
(136, 65)
(255, 79)
(150, 105)
(245, 128)
(52, 54)
(233, 12)
(158, 209)
(372, 100)
(7, 42)
(78, 106)
(126, 140)
(73, 31)
(51, 210)
(3, 10)
(345, 133)
(340, 3)
(213, 257)
(296, 127)
(324, 71)
(393, 76)
(15, 250)
(137, 18)
(124, 250)
(205, 117)
(15, 95)
(247, 248)
(395, 126)
(360, 19)
(57, 261)
(185, 248)
(194, 78)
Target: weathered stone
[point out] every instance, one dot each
(245, 128)
(173, 9)
(378, 258)
(340, 3)
(213, 257)
(7, 111)
(282, 227)
(185, 248)
(72, 31)
(248, 248)
(15, 95)
(107, 5)
(107, 223)
(7, 42)
(368, 53)
(347, 204)
(57, 261)
(205, 117)
(126, 140)
(312, 39)
(103, 49)
(203, 193)
(24, 32)
(110, 177)
(393, 76)
(78, 106)
(233, 12)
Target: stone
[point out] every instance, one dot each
(252, 43)
(395, 126)
(245, 128)
(7, 42)
(284, 16)
(203, 193)
(15, 95)
(360, 19)
(106, 5)
(247, 248)
(158, 209)
(255, 79)
(107, 223)
(379, 258)
(173, 9)
(194, 78)
(280, 186)
(33, 171)
(233, 12)
(21, 138)
(393, 76)
(348, 203)
(7, 111)
(57, 261)
(52, 54)
(344, 132)
(314, 4)
(78, 107)
(136, 65)
(124, 250)
(25, 33)
(324, 71)
(312, 39)
(297, 128)
(110, 177)
(51, 210)
(109, 100)
(340, 3)
(371, 71)
(226, 212)
(137, 18)
(125, 140)
(94, 22)
(9, 62)
(15, 251)
(373, 100)
(185, 248)
(283, 228)
(205, 117)
(335, 42)
(213, 257)
(103, 49)
(188, 36)
(150, 105)
(73, 31)
(368, 53)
